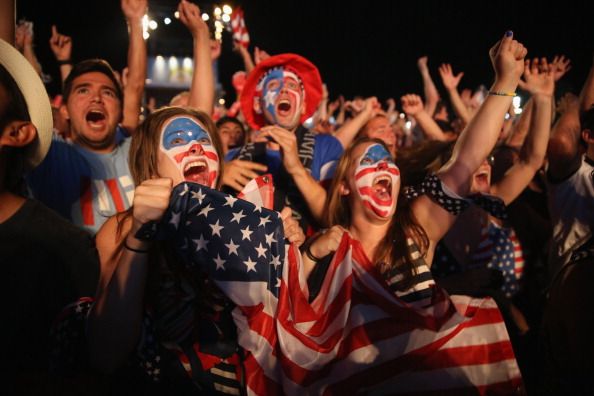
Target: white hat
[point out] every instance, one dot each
(35, 95)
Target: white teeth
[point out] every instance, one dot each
(193, 164)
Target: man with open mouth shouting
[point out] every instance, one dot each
(88, 180)
(278, 96)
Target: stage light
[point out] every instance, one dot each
(205, 17)
(217, 11)
(167, 21)
(227, 10)
(226, 18)
(176, 14)
(145, 35)
(222, 102)
(153, 24)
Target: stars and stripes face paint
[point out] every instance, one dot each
(189, 151)
(377, 179)
(282, 97)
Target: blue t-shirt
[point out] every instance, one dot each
(327, 152)
(84, 187)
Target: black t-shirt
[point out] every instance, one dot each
(46, 263)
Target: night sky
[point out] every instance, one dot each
(361, 48)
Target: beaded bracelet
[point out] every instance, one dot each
(499, 93)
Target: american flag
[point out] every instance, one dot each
(499, 248)
(356, 335)
(240, 33)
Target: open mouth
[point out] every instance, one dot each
(96, 118)
(482, 178)
(196, 171)
(283, 107)
(382, 187)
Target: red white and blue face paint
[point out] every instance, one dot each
(282, 96)
(189, 148)
(376, 179)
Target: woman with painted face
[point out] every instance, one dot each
(191, 318)
(399, 234)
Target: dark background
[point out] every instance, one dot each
(361, 48)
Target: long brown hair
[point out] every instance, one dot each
(393, 249)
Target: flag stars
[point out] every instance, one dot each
(276, 261)
(230, 201)
(270, 239)
(261, 250)
(251, 265)
(175, 217)
(246, 233)
(216, 228)
(219, 262)
(185, 191)
(200, 243)
(232, 247)
(237, 216)
(198, 195)
(205, 210)
(264, 221)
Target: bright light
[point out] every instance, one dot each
(222, 102)
(408, 124)
(227, 10)
(167, 21)
(176, 14)
(159, 59)
(145, 22)
(173, 64)
(516, 101)
(402, 115)
(226, 18)
(153, 24)
(187, 63)
(518, 110)
(145, 35)
(205, 17)
(218, 36)
(219, 25)
(217, 11)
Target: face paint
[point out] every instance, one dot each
(376, 177)
(282, 97)
(189, 148)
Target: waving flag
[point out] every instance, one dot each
(356, 335)
(240, 33)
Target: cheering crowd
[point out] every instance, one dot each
(290, 244)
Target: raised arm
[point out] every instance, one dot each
(248, 62)
(24, 43)
(61, 46)
(478, 138)
(348, 131)
(412, 105)
(429, 90)
(587, 94)
(450, 82)
(115, 320)
(203, 84)
(7, 21)
(134, 10)
(539, 82)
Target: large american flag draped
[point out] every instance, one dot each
(356, 335)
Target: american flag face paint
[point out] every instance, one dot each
(377, 179)
(282, 96)
(188, 147)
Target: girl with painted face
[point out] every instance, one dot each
(397, 233)
(173, 145)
